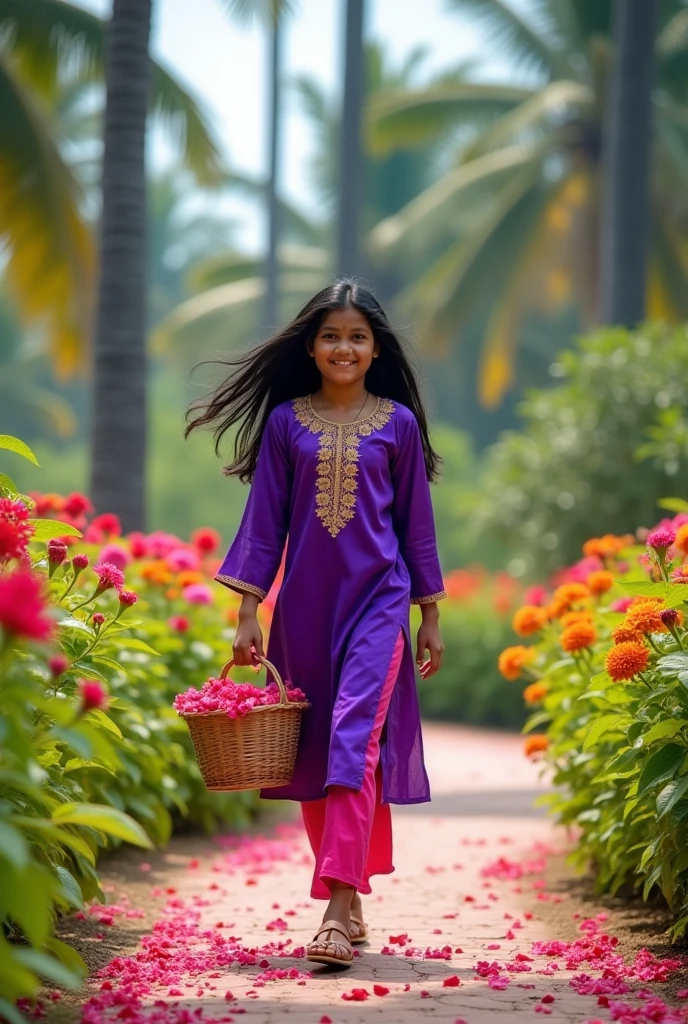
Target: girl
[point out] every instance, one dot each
(335, 440)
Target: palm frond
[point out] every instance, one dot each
(673, 38)
(265, 10)
(227, 268)
(532, 115)
(188, 125)
(50, 254)
(432, 210)
(667, 297)
(405, 120)
(519, 42)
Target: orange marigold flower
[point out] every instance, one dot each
(604, 547)
(232, 615)
(681, 542)
(622, 634)
(627, 659)
(567, 595)
(156, 572)
(573, 618)
(529, 619)
(188, 576)
(578, 636)
(172, 593)
(513, 660)
(535, 692)
(644, 617)
(535, 744)
(600, 581)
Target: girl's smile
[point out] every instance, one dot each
(344, 346)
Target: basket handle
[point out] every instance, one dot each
(270, 667)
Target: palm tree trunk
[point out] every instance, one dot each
(271, 264)
(118, 457)
(626, 164)
(351, 151)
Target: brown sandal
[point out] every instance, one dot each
(362, 935)
(325, 958)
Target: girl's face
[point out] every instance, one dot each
(344, 346)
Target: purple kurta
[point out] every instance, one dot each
(355, 502)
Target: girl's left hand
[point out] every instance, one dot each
(429, 639)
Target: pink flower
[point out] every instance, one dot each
(77, 504)
(206, 539)
(98, 619)
(198, 593)
(93, 695)
(57, 552)
(622, 604)
(109, 575)
(236, 699)
(79, 562)
(58, 664)
(108, 523)
(138, 545)
(535, 595)
(680, 575)
(22, 606)
(115, 555)
(160, 544)
(128, 598)
(669, 616)
(92, 535)
(16, 529)
(179, 623)
(661, 538)
(182, 558)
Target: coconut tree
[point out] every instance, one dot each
(513, 226)
(350, 142)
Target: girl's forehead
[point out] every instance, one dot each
(348, 317)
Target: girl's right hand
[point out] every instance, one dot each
(249, 636)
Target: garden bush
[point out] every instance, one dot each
(608, 676)
(476, 623)
(91, 751)
(621, 398)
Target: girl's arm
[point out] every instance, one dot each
(254, 557)
(414, 525)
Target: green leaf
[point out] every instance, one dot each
(10, 1013)
(660, 767)
(72, 960)
(607, 723)
(103, 720)
(106, 819)
(13, 444)
(672, 664)
(663, 730)
(48, 967)
(670, 795)
(70, 887)
(673, 504)
(7, 484)
(13, 845)
(135, 645)
(673, 593)
(47, 529)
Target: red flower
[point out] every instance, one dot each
(22, 606)
(180, 623)
(138, 545)
(128, 598)
(77, 504)
(79, 562)
(206, 540)
(16, 529)
(58, 664)
(109, 576)
(93, 695)
(98, 619)
(109, 523)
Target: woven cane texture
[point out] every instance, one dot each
(253, 751)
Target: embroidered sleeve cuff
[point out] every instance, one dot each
(234, 584)
(430, 599)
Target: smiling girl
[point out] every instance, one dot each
(334, 439)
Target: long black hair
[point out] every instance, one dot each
(281, 369)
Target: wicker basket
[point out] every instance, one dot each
(254, 751)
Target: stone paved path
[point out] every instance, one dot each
(454, 908)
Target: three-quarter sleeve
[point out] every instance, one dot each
(412, 514)
(255, 554)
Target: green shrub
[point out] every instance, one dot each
(576, 460)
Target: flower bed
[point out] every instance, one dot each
(608, 677)
(98, 632)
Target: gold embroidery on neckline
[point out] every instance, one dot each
(337, 472)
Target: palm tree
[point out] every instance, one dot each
(513, 227)
(50, 54)
(350, 142)
(626, 164)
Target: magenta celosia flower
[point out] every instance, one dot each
(16, 529)
(115, 555)
(93, 695)
(206, 539)
(57, 552)
(198, 593)
(93, 535)
(109, 575)
(161, 543)
(182, 558)
(128, 598)
(622, 604)
(108, 523)
(661, 538)
(680, 575)
(80, 562)
(179, 623)
(58, 664)
(77, 505)
(669, 616)
(235, 699)
(98, 619)
(22, 606)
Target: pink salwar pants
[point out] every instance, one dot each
(350, 831)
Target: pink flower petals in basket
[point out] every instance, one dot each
(235, 699)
